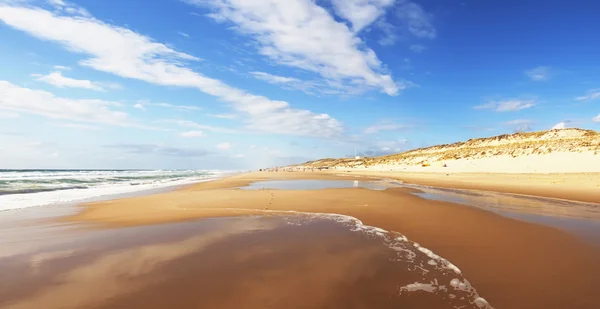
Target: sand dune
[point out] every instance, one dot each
(553, 151)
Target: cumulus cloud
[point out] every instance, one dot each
(302, 34)
(58, 80)
(361, 13)
(128, 54)
(224, 146)
(507, 105)
(39, 102)
(139, 106)
(597, 118)
(559, 126)
(192, 134)
(591, 95)
(540, 73)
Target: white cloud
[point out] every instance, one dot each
(540, 73)
(224, 146)
(597, 118)
(61, 68)
(8, 115)
(417, 48)
(67, 7)
(591, 95)
(239, 156)
(416, 19)
(183, 34)
(559, 126)
(191, 124)
(128, 54)
(361, 13)
(58, 80)
(301, 34)
(78, 126)
(520, 125)
(312, 87)
(222, 116)
(385, 126)
(181, 108)
(25, 100)
(508, 105)
(192, 134)
(139, 106)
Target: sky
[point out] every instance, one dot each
(245, 84)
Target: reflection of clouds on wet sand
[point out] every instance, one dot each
(513, 202)
(121, 272)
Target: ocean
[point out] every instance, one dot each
(30, 188)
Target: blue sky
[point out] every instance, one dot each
(237, 84)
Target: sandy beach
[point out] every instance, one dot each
(510, 263)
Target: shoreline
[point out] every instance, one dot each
(481, 243)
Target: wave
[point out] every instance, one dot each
(30, 188)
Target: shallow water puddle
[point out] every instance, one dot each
(306, 184)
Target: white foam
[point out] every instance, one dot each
(412, 287)
(18, 201)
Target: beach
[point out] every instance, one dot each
(368, 243)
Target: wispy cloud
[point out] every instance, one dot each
(129, 54)
(25, 100)
(385, 126)
(417, 48)
(146, 149)
(382, 148)
(183, 34)
(597, 118)
(61, 68)
(412, 21)
(416, 19)
(591, 95)
(316, 42)
(58, 80)
(194, 125)
(222, 116)
(519, 125)
(78, 126)
(8, 115)
(224, 146)
(361, 13)
(192, 134)
(507, 105)
(139, 106)
(541, 73)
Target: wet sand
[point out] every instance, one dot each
(291, 261)
(511, 263)
(572, 186)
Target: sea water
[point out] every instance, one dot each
(29, 188)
